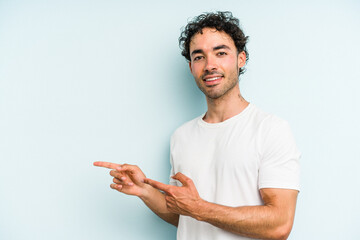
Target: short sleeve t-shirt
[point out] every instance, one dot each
(230, 161)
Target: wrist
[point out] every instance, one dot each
(147, 192)
(200, 209)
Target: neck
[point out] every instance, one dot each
(225, 107)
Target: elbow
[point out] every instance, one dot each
(281, 232)
(173, 220)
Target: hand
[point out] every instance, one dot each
(128, 179)
(179, 200)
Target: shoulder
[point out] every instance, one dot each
(263, 121)
(274, 134)
(270, 129)
(266, 121)
(186, 128)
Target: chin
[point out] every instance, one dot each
(214, 95)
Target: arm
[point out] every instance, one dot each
(129, 179)
(273, 220)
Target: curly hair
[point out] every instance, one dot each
(221, 21)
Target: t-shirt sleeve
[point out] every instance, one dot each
(279, 156)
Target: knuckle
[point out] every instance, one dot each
(116, 174)
(188, 180)
(116, 187)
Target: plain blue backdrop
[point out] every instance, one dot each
(82, 81)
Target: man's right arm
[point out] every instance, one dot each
(129, 179)
(155, 200)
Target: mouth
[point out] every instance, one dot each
(210, 81)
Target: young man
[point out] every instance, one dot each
(235, 171)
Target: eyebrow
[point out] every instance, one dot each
(214, 49)
(221, 47)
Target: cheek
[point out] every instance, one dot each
(230, 62)
(196, 69)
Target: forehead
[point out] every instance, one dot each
(210, 38)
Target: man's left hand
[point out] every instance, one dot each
(182, 200)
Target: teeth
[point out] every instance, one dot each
(212, 79)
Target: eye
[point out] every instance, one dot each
(197, 58)
(221, 53)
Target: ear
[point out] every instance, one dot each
(190, 66)
(241, 59)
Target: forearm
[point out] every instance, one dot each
(264, 222)
(155, 201)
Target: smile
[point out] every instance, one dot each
(212, 79)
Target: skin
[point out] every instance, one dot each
(213, 56)
(130, 180)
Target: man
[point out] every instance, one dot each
(235, 172)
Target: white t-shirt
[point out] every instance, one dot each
(230, 161)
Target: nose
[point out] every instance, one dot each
(211, 64)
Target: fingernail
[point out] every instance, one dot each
(130, 184)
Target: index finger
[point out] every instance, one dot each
(106, 165)
(182, 178)
(157, 185)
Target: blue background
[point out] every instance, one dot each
(82, 81)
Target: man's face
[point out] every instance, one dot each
(215, 62)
